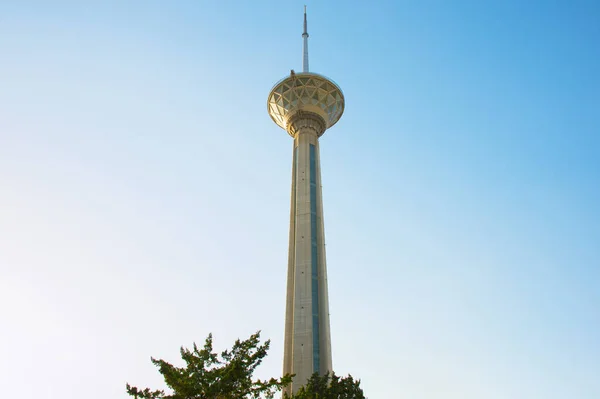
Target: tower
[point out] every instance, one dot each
(305, 105)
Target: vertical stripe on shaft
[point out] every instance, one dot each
(314, 259)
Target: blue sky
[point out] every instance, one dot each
(145, 191)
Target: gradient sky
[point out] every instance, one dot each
(145, 191)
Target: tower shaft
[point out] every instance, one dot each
(307, 345)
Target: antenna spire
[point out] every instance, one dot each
(305, 49)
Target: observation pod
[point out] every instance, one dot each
(305, 92)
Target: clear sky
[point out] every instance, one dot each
(144, 191)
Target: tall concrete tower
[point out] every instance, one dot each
(305, 105)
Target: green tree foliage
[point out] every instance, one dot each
(330, 386)
(210, 376)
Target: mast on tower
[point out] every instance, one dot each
(305, 48)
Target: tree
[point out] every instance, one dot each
(210, 376)
(330, 386)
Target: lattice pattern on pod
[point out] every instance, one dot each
(304, 91)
